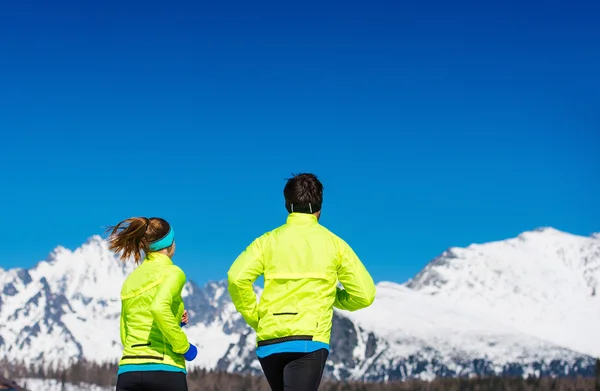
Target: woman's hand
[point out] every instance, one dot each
(184, 318)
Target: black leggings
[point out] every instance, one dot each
(294, 371)
(152, 381)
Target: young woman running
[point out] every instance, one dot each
(155, 347)
(302, 263)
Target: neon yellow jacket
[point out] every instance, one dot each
(302, 262)
(151, 311)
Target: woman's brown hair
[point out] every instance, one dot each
(133, 236)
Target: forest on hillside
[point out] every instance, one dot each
(202, 380)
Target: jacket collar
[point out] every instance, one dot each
(301, 219)
(158, 258)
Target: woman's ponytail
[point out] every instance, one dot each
(133, 236)
(129, 238)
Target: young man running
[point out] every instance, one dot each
(302, 262)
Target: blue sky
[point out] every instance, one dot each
(431, 124)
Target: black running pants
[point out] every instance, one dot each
(152, 381)
(294, 371)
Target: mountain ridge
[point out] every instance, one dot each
(71, 300)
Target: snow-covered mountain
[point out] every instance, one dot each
(545, 277)
(525, 305)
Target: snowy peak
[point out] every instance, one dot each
(549, 234)
(543, 251)
(71, 297)
(548, 230)
(89, 271)
(542, 277)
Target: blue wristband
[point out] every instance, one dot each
(191, 353)
(182, 324)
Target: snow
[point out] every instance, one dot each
(524, 300)
(540, 283)
(91, 271)
(54, 385)
(419, 321)
(211, 342)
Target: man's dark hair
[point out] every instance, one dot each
(303, 194)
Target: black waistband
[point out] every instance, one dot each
(285, 339)
(143, 357)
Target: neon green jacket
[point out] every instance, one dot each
(151, 313)
(301, 262)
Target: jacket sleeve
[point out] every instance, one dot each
(241, 275)
(359, 288)
(161, 309)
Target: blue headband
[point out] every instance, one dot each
(164, 242)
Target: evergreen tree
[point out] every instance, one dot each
(104, 375)
(63, 379)
(598, 374)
